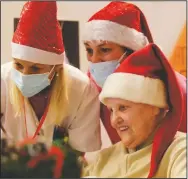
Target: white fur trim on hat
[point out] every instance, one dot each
(135, 88)
(114, 32)
(35, 55)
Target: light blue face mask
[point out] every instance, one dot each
(100, 71)
(30, 85)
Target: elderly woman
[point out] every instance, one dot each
(146, 105)
(41, 96)
(111, 35)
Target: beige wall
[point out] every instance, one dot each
(165, 19)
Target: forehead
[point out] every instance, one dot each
(113, 102)
(99, 43)
(116, 102)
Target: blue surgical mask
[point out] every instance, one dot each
(30, 85)
(100, 71)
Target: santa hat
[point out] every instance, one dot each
(119, 22)
(38, 37)
(147, 77)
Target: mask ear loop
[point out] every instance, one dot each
(49, 76)
(122, 58)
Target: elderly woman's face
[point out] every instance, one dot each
(134, 122)
(103, 51)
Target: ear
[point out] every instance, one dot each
(55, 69)
(162, 113)
(58, 67)
(156, 111)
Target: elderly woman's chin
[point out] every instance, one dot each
(132, 141)
(128, 138)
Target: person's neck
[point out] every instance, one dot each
(149, 140)
(40, 101)
(43, 93)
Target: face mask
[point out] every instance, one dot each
(30, 85)
(100, 71)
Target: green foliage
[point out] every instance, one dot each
(14, 160)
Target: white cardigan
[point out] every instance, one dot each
(82, 122)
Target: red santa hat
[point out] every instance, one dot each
(119, 22)
(147, 77)
(38, 37)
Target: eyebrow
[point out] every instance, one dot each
(127, 106)
(99, 45)
(34, 64)
(37, 65)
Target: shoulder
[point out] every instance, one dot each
(176, 157)
(76, 75)
(179, 141)
(177, 147)
(79, 81)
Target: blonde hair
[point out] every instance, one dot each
(58, 103)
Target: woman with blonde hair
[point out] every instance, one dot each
(40, 94)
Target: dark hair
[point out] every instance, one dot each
(128, 50)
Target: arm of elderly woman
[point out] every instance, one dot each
(87, 170)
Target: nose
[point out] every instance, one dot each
(25, 71)
(95, 58)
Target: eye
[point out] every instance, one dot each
(123, 108)
(89, 51)
(35, 68)
(18, 65)
(106, 50)
(111, 110)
